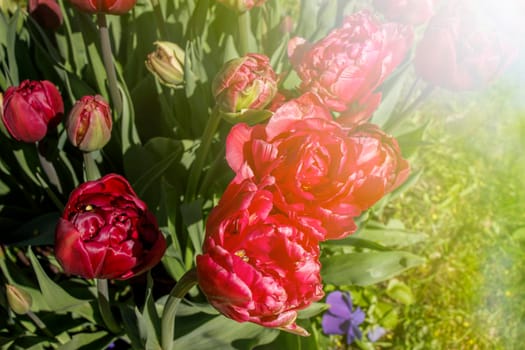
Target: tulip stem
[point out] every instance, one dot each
(244, 29)
(200, 157)
(186, 282)
(90, 167)
(104, 306)
(41, 325)
(107, 57)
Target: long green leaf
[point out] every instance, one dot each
(55, 296)
(364, 269)
(225, 334)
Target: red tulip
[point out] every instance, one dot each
(31, 109)
(89, 123)
(462, 49)
(107, 232)
(348, 64)
(257, 264)
(113, 7)
(325, 174)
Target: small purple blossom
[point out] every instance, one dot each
(376, 333)
(341, 318)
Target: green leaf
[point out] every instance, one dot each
(38, 231)
(30, 342)
(159, 156)
(325, 19)
(313, 310)
(28, 162)
(128, 132)
(400, 292)
(11, 44)
(364, 269)
(389, 101)
(197, 22)
(133, 327)
(390, 237)
(55, 296)
(225, 334)
(411, 181)
(357, 242)
(151, 319)
(87, 341)
(308, 11)
(410, 139)
(188, 308)
(192, 218)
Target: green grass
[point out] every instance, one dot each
(471, 201)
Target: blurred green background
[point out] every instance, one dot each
(470, 200)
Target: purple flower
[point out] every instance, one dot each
(376, 333)
(341, 318)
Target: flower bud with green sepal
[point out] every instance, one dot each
(89, 123)
(167, 63)
(244, 87)
(18, 299)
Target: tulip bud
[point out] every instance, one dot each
(243, 85)
(31, 109)
(241, 5)
(167, 63)
(113, 7)
(46, 12)
(89, 123)
(19, 300)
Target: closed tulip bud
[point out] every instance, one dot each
(167, 63)
(18, 299)
(31, 109)
(89, 123)
(245, 85)
(113, 7)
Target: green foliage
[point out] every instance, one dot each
(438, 262)
(469, 293)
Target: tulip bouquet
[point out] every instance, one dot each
(199, 173)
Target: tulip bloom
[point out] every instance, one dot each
(461, 49)
(113, 7)
(31, 109)
(89, 123)
(348, 64)
(325, 174)
(107, 232)
(247, 82)
(258, 265)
